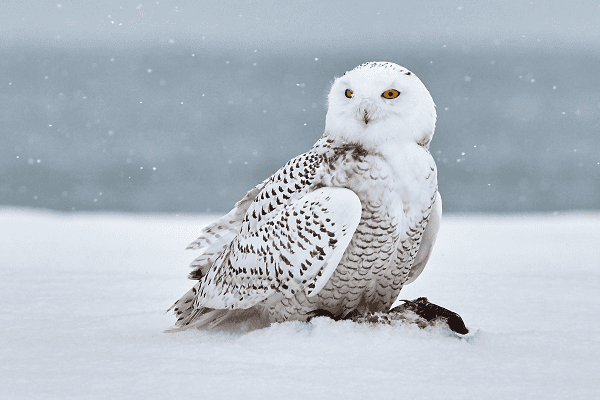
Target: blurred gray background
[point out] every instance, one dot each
(182, 106)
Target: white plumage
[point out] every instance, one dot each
(339, 229)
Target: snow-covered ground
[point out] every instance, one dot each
(84, 299)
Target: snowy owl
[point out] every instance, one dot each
(337, 230)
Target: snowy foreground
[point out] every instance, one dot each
(84, 299)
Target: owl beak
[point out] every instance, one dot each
(366, 117)
(366, 112)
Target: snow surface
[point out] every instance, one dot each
(84, 299)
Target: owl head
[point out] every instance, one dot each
(379, 103)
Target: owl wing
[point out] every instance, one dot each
(428, 240)
(297, 248)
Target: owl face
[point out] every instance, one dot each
(380, 102)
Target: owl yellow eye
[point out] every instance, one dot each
(390, 94)
(349, 93)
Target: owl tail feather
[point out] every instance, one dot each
(214, 319)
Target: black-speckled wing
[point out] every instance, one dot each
(296, 246)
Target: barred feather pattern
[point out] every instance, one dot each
(379, 258)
